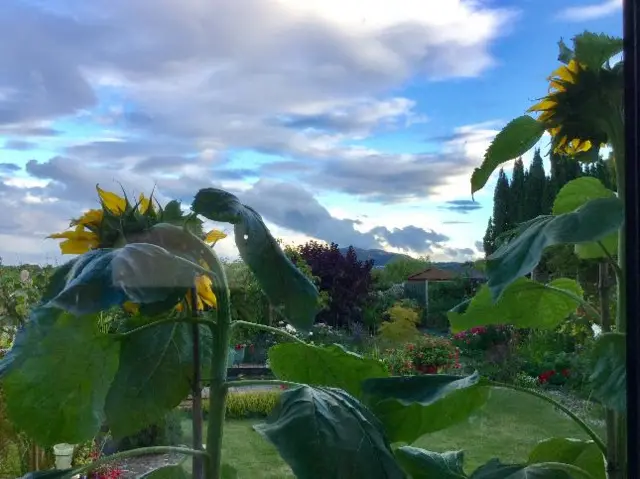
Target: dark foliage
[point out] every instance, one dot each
(347, 281)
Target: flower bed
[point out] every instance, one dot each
(426, 355)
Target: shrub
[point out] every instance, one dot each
(248, 404)
(402, 325)
(483, 338)
(426, 355)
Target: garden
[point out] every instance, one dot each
(149, 356)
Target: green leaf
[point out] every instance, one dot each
(565, 53)
(593, 49)
(57, 281)
(583, 454)
(575, 194)
(325, 432)
(52, 474)
(57, 393)
(154, 376)
(283, 283)
(138, 272)
(412, 406)
(422, 464)
(494, 469)
(174, 471)
(593, 221)
(515, 139)
(330, 366)
(524, 304)
(609, 376)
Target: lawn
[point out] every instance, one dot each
(508, 427)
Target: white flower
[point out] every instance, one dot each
(290, 329)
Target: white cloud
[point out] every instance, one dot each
(590, 12)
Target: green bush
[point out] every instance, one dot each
(425, 355)
(248, 404)
(167, 432)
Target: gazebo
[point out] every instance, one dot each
(417, 285)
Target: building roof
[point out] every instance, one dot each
(433, 274)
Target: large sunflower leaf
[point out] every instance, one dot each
(593, 221)
(283, 283)
(138, 272)
(583, 454)
(330, 366)
(515, 139)
(154, 376)
(57, 393)
(494, 469)
(325, 432)
(423, 464)
(172, 471)
(524, 303)
(609, 376)
(412, 406)
(593, 49)
(575, 194)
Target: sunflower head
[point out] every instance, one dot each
(582, 96)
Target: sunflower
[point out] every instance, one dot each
(103, 228)
(571, 110)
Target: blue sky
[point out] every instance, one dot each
(357, 124)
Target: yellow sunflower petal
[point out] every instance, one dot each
(554, 131)
(91, 218)
(78, 246)
(130, 307)
(544, 105)
(144, 204)
(214, 236)
(203, 286)
(114, 203)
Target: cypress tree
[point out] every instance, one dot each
(517, 191)
(535, 188)
(501, 209)
(488, 242)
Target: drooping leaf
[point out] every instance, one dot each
(325, 432)
(137, 272)
(515, 139)
(154, 376)
(524, 304)
(593, 49)
(412, 406)
(609, 376)
(423, 464)
(575, 194)
(173, 471)
(593, 221)
(583, 454)
(57, 393)
(494, 469)
(330, 366)
(285, 286)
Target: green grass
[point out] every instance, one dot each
(508, 427)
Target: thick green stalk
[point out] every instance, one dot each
(264, 327)
(218, 389)
(618, 446)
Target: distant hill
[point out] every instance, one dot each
(380, 257)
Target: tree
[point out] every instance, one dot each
(517, 193)
(535, 188)
(399, 269)
(501, 210)
(347, 281)
(489, 239)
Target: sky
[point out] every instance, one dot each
(354, 122)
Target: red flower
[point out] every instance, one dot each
(283, 386)
(410, 347)
(431, 369)
(565, 372)
(239, 346)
